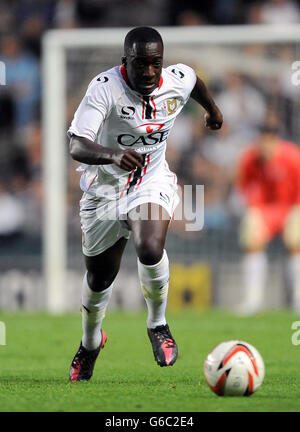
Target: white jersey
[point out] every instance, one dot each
(115, 116)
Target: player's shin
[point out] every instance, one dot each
(94, 305)
(154, 281)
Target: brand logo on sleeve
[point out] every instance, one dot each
(164, 197)
(178, 73)
(102, 79)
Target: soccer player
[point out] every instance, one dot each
(119, 133)
(269, 179)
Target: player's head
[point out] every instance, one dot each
(143, 58)
(271, 125)
(269, 134)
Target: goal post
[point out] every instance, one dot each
(56, 43)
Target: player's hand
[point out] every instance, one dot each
(128, 159)
(213, 120)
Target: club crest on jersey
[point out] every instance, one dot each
(171, 106)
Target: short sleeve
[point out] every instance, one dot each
(92, 111)
(187, 78)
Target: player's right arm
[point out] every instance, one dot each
(86, 151)
(94, 108)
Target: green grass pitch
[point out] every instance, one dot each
(35, 363)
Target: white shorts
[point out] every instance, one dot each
(104, 222)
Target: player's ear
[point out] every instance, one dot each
(124, 61)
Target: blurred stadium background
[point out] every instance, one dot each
(246, 80)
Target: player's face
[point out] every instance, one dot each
(144, 65)
(267, 144)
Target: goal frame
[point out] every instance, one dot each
(55, 43)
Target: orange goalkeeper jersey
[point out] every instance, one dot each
(274, 181)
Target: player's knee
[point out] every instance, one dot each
(291, 230)
(99, 281)
(253, 233)
(150, 251)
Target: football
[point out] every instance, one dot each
(234, 368)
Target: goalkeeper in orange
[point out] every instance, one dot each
(268, 177)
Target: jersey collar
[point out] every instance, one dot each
(124, 75)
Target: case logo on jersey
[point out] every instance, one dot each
(178, 73)
(154, 135)
(102, 79)
(172, 106)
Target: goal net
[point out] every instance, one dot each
(249, 71)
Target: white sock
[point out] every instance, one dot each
(254, 281)
(94, 305)
(155, 282)
(294, 273)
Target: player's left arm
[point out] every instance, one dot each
(213, 116)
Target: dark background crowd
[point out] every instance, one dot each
(197, 156)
